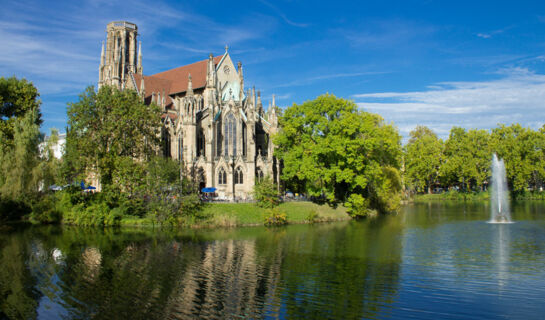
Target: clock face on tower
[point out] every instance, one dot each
(226, 70)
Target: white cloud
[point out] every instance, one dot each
(283, 15)
(56, 45)
(517, 96)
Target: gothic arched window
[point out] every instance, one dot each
(239, 176)
(230, 135)
(222, 176)
(259, 175)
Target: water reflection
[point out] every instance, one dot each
(433, 261)
(339, 270)
(502, 241)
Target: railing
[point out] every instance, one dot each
(124, 24)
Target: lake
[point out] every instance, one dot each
(432, 260)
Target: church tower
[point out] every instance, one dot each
(119, 58)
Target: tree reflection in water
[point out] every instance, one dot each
(340, 270)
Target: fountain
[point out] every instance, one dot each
(499, 204)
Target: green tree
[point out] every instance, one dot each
(341, 154)
(423, 155)
(523, 152)
(266, 193)
(17, 98)
(19, 157)
(106, 128)
(467, 157)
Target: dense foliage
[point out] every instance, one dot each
(462, 162)
(333, 151)
(109, 131)
(266, 193)
(114, 136)
(23, 167)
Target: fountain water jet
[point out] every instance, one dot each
(499, 204)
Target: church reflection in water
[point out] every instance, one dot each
(343, 270)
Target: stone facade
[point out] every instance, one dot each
(217, 129)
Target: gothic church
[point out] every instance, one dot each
(220, 132)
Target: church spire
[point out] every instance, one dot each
(259, 103)
(101, 67)
(102, 55)
(140, 69)
(142, 89)
(241, 78)
(211, 72)
(189, 86)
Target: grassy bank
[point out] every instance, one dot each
(248, 214)
(453, 195)
(475, 196)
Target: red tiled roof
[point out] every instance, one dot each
(175, 80)
(179, 75)
(153, 84)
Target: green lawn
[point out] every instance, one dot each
(246, 214)
(231, 214)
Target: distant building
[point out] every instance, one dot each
(58, 147)
(218, 130)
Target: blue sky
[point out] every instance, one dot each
(472, 64)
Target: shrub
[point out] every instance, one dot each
(358, 206)
(275, 217)
(312, 216)
(44, 211)
(266, 194)
(96, 215)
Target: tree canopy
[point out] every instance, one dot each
(107, 126)
(19, 138)
(333, 150)
(463, 160)
(422, 158)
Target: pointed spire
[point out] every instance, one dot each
(259, 103)
(254, 100)
(189, 86)
(226, 48)
(140, 69)
(142, 88)
(273, 101)
(211, 72)
(241, 77)
(102, 55)
(163, 99)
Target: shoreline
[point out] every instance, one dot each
(229, 215)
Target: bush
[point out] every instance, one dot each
(358, 207)
(44, 211)
(96, 215)
(312, 216)
(266, 194)
(275, 217)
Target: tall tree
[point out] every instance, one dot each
(522, 149)
(467, 157)
(19, 138)
(17, 98)
(341, 153)
(108, 125)
(423, 155)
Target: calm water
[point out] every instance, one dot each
(431, 261)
